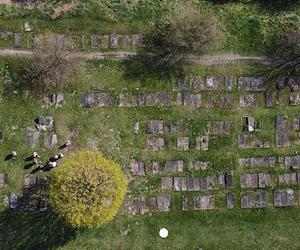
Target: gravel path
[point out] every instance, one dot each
(207, 59)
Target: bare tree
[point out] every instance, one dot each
(177, 36)
(48, 69)
(285, 54)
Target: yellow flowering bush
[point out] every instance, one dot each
(87, 189)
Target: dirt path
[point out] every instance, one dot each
(206, 60)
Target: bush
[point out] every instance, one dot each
(177, 36)
(88, 189)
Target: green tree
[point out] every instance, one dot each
(88, 189)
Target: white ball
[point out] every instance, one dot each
(163, 233)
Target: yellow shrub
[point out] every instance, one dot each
(88, 189)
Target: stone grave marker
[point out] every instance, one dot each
(155, 144)
(183, 143)
(138, 168)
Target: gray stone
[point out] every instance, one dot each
(138, 205)
(167, 183)
(282, 134)
(177, 184)
(294, 99)
(212, 82)
(17, 40)
(32, 137)
(155, 167)
(13, 201)
(183, 143)
(211, 102)
(228, 179)
(226, 102)
(254, 199)
(229, 81)
(294, 83)
(197, 83)
(126, 100)
(249, 180)
(244, 162)
(137, 40)
(285, 198)
(155, 144)
(269, 99)
(292, 162)
(2, 180)
(185, 203)
(155, 127)
(262, 162)
(264, 180)
(99, 41)
(191, 100)
(162, 98)
(230, 200)
(200, 165)
(204, 202)
(248, 100)
(163, 203)
(202, 142)
(184, 183)
(136, 127)
(174, 166)
(138, 168)
(113, 40)
(251, 83)
(219, 127)
(50, 141)
(102, 99)
(203, 183)
(1, 137)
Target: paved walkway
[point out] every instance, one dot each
(207, 59)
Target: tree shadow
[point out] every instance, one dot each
(266, 5)
(145, 66)
(21, 230)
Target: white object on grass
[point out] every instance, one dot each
(163, 233)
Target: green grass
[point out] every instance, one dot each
(110, 129)
(247, 28)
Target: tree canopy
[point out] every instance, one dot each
(88, 189)
(187, 32)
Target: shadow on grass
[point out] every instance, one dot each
(33, 230)
(142, 67)
(266, 5)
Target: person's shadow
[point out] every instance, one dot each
(8, 157)
(29, 165)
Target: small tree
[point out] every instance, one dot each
(48, 69)
(285, 52)
(177, 36)
(88, 189)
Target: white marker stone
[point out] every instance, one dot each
(163, 233)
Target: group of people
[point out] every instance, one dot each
(52, 163)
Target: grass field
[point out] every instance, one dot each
(110, 130)
(248, 28)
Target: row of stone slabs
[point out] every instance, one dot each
(215, 182)
(250, 199)
(163, 127)
(158, 143)
(33, 197)
(204, 183)
(227, 83)
(186, 99)
(72, 42)
(138, 168)
(287, 162)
